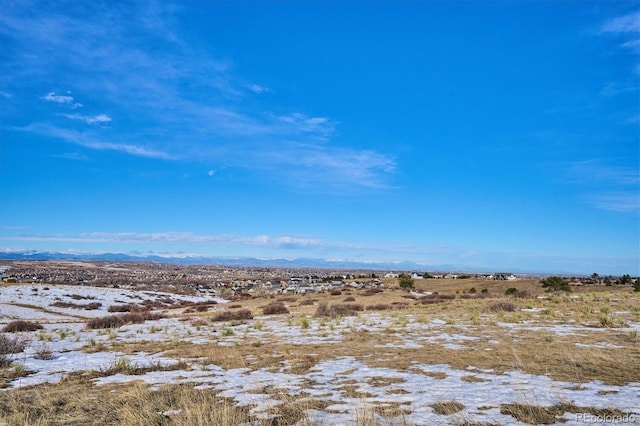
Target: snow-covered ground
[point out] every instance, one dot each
(416, 388)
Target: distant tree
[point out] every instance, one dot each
(555, 284)
(636, 285)
(405, 281)
(625, 279)
(607, 280)
(595, 277)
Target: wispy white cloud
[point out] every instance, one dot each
(190, 104)
(100, 118)
(596, 171)
(302, 123)
(76, 156)
(625, 26)
(611, 188)
(59, 99)
(93, 142)
(629, 23)
(617, 202)
(256, 88)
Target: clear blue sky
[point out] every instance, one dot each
(478, 134)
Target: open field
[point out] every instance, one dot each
(360, 357)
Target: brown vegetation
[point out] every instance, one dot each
(114, 321)
(275, 308)
(20, 325)
(226, 315)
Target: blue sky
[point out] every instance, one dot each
(475, 134)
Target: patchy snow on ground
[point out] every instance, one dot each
(34, 302)
(344, 382)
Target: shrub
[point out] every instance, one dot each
(378, 307)
(372, 291)
(435, 298)
(44, 354)
(226, 315)
(555, 284)
(349, 299)
(510, 291)
(405, 281)
(129, 307)
(472, 290)
(484, 291)
(275, 308)
(307, 302)
(20, 325)
(503, 306)
(335, 292)
(340, 309)
(344, 309)
(114, 321)
(89, 306)
(92, 306)
(8, 347)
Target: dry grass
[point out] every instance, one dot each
(446, 408)
(79, 402)
(536, 414)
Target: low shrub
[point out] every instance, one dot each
(340, 309)
(349, 299)
(307, 302)
(503, 306)
(78, 297)
(114, 321)
(435, 298)
(378, 307)
(87, 306)
(372, 291)
(275, 308)
(226, 315)
(511, 291)
(335, 292)
(43, 354)
(8, 347)
(129, 307)
(20, 325)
